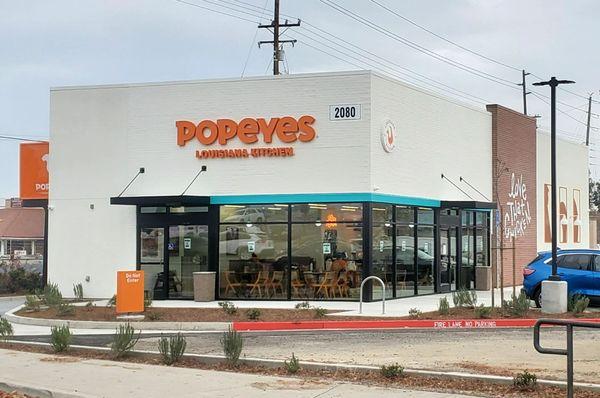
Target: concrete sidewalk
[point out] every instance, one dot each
(54, 376)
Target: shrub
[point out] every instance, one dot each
(253, 314)
(32, 303)
(525, 381)
(444, 306)
(89, 306)
(320, 312)
(124, 340)
(6, 329)
(153, 316)
(517, 305)
(482, 311)
(228, 307)
(147, 302)
(232, 344)
(65, 309)
(464, 298)
(293, 366)
(172, 348)
(112, 301)
(414, 313)
(391, 371)
(305, 305)
(78, 291)
(51, 295)
(578, 304)
(18, 279)
(60, 338)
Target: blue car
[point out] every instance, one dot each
(580, 268)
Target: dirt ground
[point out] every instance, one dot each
(503, 352)
(218, 315)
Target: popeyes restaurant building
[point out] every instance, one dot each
(295, 187)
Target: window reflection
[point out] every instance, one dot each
(326, 260)
(425, 260)
(405, 261)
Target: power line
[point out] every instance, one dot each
(444, 38)
(213, 10)
(433, 54)
(18, 138)
(253, 41)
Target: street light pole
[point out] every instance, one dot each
(553, 83)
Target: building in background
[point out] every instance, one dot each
(21, 235)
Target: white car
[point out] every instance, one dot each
(247, 215)
(238, 241)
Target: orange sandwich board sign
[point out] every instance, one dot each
(130, 291)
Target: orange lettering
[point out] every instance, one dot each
(286, 129)
(227, 130)
(307, 132)
(211, 127)
(267, 129)
(247, 131)
(185, 131)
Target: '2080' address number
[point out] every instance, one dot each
(345, 112)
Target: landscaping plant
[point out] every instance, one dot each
(320, 312)
(228, 307)
(305, 305)
(32, 303)
(578, 304)
(65, 308)
(414, 313)
(60, 338)
(51, 295)
(517, 305)
(89, 306)
(391, 371)
(232, 344)
(444, 306)
(78, 291)
(482, 311)
(253, 314)
(18, 280)
(293, 366)
(525, 381)
(124, 340)
(153, 316)
(6, 329)
(464, 298)
(172, 348)
(147, 302)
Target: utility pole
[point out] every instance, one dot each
(587, 134)
(556, 300)
(525, 92)
(277, 42)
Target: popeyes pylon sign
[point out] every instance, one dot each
(252, 132)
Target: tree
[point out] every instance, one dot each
(594, 194)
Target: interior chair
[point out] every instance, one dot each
(275, 282)
(327, 284)
(231, 283)
(261, 281)
(297, 284)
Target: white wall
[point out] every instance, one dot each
(434, 136)
(571, 173)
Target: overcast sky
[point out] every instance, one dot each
(49, 43)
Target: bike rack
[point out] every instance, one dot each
(559, 351)
(383, 293)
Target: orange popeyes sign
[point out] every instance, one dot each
(249, 131)
(130, 291)
(33, 164)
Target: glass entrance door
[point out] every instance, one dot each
(448, 259)
(188, 253)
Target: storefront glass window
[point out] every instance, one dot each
(253, 261)
(326, 260)
(405, 214)
(153, 209)
(424, 215)
(425, 260)
(189, 209)
(405, 261)
(330, 213)
(249, 214)
(382, 214)
(152, 260)
(382, 260)
(482, 244)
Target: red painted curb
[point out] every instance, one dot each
(392, 324)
